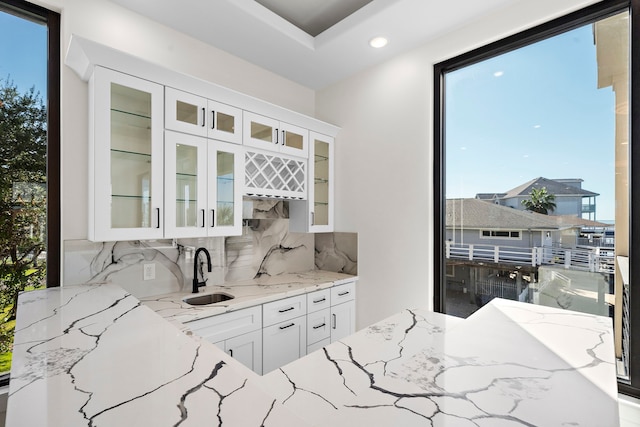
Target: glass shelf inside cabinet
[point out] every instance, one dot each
(130, 132)
(319, 158)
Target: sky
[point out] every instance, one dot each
(23, 53)
(534, 112)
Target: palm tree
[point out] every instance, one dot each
(541, 201)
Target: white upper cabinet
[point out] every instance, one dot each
(270, 134)
(225, 175)
(125, 157)
(225, 122)
(203, 191)
(185, 112)
(316, 213)
(185, 185)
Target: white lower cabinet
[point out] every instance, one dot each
(284, 337)
(239, 333)
(343, 320)
(283, 343)
(343, 311)
(318, 319)
(269, 336)
(246, 349)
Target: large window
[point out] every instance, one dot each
(29, 158)
(534, 177)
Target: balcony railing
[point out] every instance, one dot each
(595, 260)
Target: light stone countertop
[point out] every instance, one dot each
(247, 293)
(93, 355)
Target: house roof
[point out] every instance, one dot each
(572, 220)
(478, 214)
(490, 196)
(554, 187)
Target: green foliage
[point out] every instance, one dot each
(541, 201)
(23, 198)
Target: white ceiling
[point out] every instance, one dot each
(250, 31)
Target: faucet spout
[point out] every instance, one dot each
(196, 283)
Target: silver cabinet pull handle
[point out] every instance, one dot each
(203, 220)
(213, 119)
(320, 326)
(285, 310)
(341, 294)
(204, 116)
(334, 321)
(287, 326)
(316, 301)
(213, 218)
(158, 217)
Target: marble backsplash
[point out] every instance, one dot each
(265, 247)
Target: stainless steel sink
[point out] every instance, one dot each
(208, 298)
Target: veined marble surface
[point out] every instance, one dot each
(246, 293)
(93, 355)
(510, 364)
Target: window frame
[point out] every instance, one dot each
(51, 19)
(552, 28)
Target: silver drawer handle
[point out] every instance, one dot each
(287, 326)
(320, 326)
(341, 294)
(285, 310)
(316, 301)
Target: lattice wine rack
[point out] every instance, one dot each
(273, 175)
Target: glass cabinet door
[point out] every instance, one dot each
(225, 174)
(185, 112)
(321, 183)
(185, 185)
(259, 131)
(225, 122)
(127, 194)
(293, 140)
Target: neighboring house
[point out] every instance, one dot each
(570, 198)
(473, 221)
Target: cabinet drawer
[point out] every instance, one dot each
(318, 326)
(318, 300)
(284, 309)
(343, 293)
(227, 325)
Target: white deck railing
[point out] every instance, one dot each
(592, 259)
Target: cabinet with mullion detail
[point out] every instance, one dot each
(196, 115)
(316, 213)
(202, 189)
(271, 134)
(126, 157)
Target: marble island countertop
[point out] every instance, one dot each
(93, 355)
(246, 293)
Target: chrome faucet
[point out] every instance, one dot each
(196, 283)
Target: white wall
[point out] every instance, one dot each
(384, 158)
(112, 25)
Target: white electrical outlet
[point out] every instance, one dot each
(149, 271)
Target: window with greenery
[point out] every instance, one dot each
(29, 159)
(557, 101)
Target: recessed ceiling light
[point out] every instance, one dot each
(378, 42)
